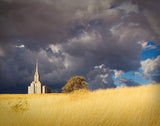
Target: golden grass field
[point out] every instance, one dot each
(134, 106)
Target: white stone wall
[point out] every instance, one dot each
(29, 89)
(32, 88)
(44, 89)
(38, 88)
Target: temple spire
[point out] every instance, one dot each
(36, 65)
(36, 76)
(36, 86)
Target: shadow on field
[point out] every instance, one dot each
(19, 106)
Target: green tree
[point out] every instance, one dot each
(75, 83)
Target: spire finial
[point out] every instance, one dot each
(37, 65)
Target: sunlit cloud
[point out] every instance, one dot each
(20, 46)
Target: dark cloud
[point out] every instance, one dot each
(100, 77)
(20, 69)
(156, 78)
(72, 37)
(126, 82)
(49, 21)
(150, 10)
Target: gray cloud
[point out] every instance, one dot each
(100, 77)
(20, 70)
(150, 9)
(50, 21)
(71, 37)
(151, 68)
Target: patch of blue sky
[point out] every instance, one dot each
(137, 78)
(151, 52)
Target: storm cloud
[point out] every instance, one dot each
(100, 77)
(71, 38)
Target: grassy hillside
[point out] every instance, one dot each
(138, 106)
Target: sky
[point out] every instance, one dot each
(111, 43)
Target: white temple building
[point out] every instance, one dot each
(36, 86)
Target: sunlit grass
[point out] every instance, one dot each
(138, 106)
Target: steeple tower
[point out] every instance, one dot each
(37, 65)
(36, 75)
(36, 87)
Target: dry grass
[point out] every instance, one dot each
(138, 106)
